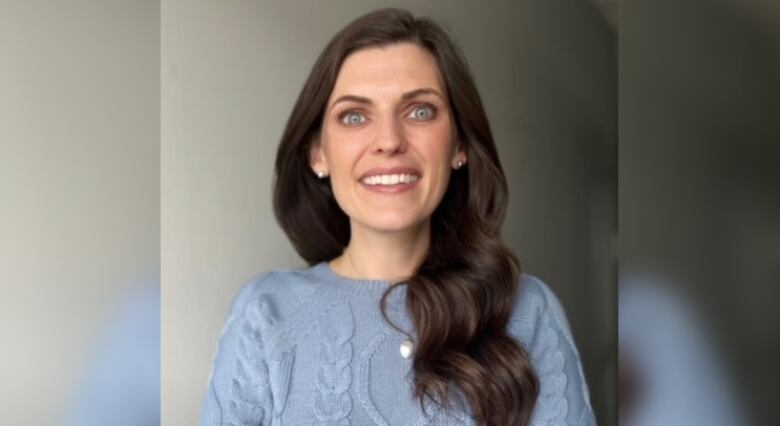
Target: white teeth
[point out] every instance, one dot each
(390, 179)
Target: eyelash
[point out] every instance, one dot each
(343, 116)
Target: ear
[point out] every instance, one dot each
(459, 155)
(317, 160)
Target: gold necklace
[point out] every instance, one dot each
(352, 262)
(407, 346)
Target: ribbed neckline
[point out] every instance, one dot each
(351, 286)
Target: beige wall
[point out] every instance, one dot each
(230, 74)
(79, 188)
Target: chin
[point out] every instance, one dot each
(392, 223)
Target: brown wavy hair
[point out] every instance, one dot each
(461, 298)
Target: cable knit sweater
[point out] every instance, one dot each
(310, 347)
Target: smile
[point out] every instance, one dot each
(390, 183)
(387, 180)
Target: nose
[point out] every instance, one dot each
(389, 138)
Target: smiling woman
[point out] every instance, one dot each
(388, 183)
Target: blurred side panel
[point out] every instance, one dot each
(699, 211)
(79, 207)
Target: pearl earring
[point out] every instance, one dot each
(320, 175)
(459, 165)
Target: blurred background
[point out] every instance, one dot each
(79, 212)
(699, 209)
(231, 71)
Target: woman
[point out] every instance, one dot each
(412, 312)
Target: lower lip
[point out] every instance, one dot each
(391, 189)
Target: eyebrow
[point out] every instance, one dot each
(404, 97)
(419, 92)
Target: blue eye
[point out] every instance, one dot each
(423, 113)
(353, 118)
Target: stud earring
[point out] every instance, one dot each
(321, 175)
(459, 165)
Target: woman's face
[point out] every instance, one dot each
(388, 138)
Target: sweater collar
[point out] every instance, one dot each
(356, 287)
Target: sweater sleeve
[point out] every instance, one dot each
(238, 391)
(543, 327)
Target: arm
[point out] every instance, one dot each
(542, 325)
(238, 391)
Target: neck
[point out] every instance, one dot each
(387, 256)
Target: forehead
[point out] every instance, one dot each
(388, 70)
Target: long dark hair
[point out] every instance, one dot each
(461, 297)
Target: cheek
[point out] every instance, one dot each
(341, 151)
(437, 146)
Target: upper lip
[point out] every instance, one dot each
(390, 171)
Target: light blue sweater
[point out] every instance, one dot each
(310, 347)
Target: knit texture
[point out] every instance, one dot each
(310, 347)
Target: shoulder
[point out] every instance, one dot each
(281, 288)
(265, 301)
(533, 295)
(539, 323)
(537, 302)
(290, 281)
